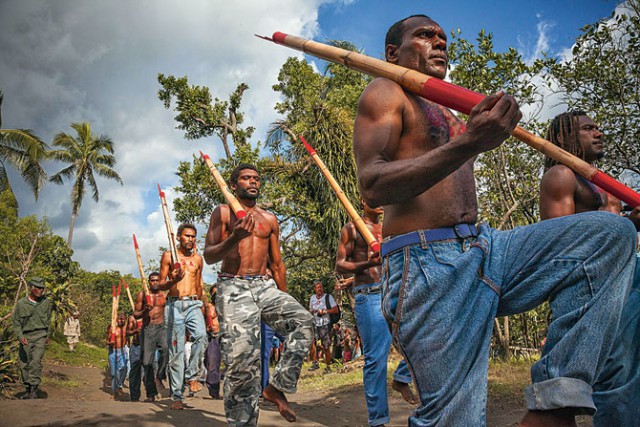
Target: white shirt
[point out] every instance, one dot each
(316, 304)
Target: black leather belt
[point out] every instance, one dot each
(367, 290)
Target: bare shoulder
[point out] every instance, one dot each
(559, 176)
(381, 92)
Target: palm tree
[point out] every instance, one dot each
(23, 150)
(85, 154)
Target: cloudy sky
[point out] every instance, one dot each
(69, 61)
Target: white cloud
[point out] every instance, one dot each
(72, 60)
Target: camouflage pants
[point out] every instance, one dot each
(241, 304)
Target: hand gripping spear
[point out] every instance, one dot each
(172, 237)
(357, 220)
(454, 97)
(228, 195)
(143, 278)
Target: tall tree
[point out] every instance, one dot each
(23, 150)
(200, 116)
(602, 77)
(85, 155)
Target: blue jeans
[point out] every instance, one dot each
(376, 342)
(266, 340)
(441, 298)
(181, 316)
(617, 391)
(118, 367)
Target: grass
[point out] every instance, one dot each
(506, 379)
(86, 355)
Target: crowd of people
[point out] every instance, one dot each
(432, 291)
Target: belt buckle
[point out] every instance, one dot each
(459, 233)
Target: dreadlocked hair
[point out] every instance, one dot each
(565, 133)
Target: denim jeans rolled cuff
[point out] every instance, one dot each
(402, 373)
(559, 393)
(379, 421)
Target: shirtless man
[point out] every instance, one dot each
(184, 310)
(154, 336)
(246, 295)
(353, 257)
(444, 279)
(116, 342)
(562, 193)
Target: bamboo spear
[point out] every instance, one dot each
(454, 97)
(143, 277)
(357, 219)
(228, 195)
(167, 222)
(113, 312)
(126, 286)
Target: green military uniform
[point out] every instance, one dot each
(32, 320)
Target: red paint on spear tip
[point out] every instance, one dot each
(279, 37)
(309, 148)
(204, 156)
(113, 290)
(375, 247)
(135, 241)
(160, 191)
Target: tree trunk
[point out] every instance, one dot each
(74, 215)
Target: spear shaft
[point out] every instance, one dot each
(353, 214)
(126, 286)
(454, 97)
(143, 277)
(167, 222)
(228, 195)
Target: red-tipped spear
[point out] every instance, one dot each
(454, 97)
(172, 237)
(357, 220)
(228, 195)
(143, 277)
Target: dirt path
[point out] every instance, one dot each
(90, 404)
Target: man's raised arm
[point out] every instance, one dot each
(277, 266)
(378, 129)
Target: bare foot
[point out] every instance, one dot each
(177, 405)
(405, 390)
(274, 395)
(555, 418)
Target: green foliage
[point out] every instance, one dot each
(23, 150)
(602, 78)
(199, 117)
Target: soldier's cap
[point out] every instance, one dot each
(38, 282)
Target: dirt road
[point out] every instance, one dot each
(90, 404)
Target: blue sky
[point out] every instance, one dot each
(67, 61)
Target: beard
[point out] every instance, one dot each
(242, 193)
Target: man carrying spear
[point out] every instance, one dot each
(183, 279)
(562, 193)
(444, 279)
(154, 336)
(354, 257)
(246, 296)
(116, 340)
